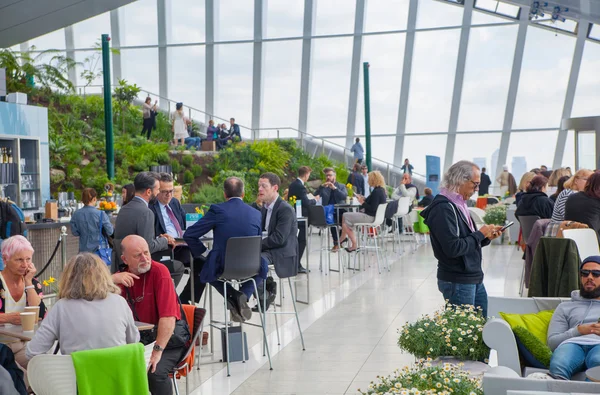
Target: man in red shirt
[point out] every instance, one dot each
(148, 287)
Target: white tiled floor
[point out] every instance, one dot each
(350, 327)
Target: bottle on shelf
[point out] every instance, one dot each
(4, 156)
(9, 156)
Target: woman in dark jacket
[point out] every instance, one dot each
(535, 201)
(368, 208)
(584, 206)
(560, 187)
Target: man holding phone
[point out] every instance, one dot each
(574, 331)
(455, 239)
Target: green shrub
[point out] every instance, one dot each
(141, 166)
(163, 158)
(208, 194)
(188, 177)
(186, 161)
(175, 166)
(197, 170)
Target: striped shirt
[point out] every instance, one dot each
(558, 214)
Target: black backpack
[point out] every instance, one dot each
(11, 221)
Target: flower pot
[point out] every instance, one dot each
(348, 200)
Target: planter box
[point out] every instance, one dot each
(209, 146)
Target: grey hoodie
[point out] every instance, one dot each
(566, 318)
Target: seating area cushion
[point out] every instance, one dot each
(531, 332)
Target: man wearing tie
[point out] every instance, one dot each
(298, 190)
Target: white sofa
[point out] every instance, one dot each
(509, 375)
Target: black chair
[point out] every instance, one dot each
(199, 314)
(242, 262)
(316, 219)
(526, 222)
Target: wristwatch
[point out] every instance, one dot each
(157, 347)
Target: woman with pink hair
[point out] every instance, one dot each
(18, 289)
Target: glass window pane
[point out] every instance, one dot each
(187, 20)
(335, 17)
(285, 18)
(586, 152)
(330, 86)
(521, 157)
(432, 82)
(384, 15)
(140, 66)
(91, 65)
(481, 148)
(498, 7)
(483, 18)
(233, 85)
(281, 84)
(139, 23)
(433, 13)
(417, 147)
(543, 80)
(235, 20)
(54, 40)
(595, 32)
(186, 79)
(382, 149)
(569, 152)
(483, 102)
(587, 95)
(385, 54)
(87, 33)
(568, 25)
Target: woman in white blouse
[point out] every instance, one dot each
(89, 314)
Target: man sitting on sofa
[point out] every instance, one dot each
(574, 331)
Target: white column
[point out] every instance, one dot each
(359, 22)
(70, 46)
(513, 88)
(260, 14)
(582, 32)
(305, 73)
(163, 66)
(115, 37)
(210, 56)
(458, 83)
(405, 85)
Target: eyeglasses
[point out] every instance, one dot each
(585, 273)
(475, 184)
(169, 192)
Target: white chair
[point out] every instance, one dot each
(401, 212)
(477, 214)
(586, 240)
(376, 235)
(52, 374)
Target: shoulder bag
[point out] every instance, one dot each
(103, 251)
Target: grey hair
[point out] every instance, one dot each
(458, 174)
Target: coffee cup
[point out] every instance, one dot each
(27, 321)
(34, 309)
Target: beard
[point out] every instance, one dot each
(593, 294)
(144, 269)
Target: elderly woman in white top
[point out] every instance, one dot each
(89, 313)
(575, 184)
(18, 289)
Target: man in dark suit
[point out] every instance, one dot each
(135, 218)
(234, 130)
(333, 192)
(280, 247)
(234, 218)
(298, 190)
(484, 187)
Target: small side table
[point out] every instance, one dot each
(593, 374)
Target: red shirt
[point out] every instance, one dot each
(160, 299)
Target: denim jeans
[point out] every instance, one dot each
(458, 294)
(571, 358)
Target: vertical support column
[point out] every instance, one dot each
(458, 83)
(163, 67)
(108, 115)
(582, 32)
(70, 46)
(367, 115)
(115, 34)
(211, 8)
(513, 88)
(359, 22)
(260, 14)
(405, 85)
(305, 73)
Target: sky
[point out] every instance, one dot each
(539, 102)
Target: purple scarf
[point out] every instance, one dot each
(460, 203)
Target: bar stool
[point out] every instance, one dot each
(376, 236)
(317, 220)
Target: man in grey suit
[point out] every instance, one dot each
(280, 247)
(135, 218)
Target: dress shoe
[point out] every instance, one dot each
(335, 248)
(238, 305)
(302, 270)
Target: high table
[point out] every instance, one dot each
(17, 332)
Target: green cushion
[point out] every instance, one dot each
(539, 350)
(536, 323)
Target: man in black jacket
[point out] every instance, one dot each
(298, 190)
(484, 187)
(455, 239)
(332, 192)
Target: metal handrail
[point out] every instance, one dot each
(254, 132)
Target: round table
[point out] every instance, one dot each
(593, 374)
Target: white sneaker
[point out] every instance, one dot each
(540, 376)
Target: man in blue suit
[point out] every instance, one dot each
(234, 218)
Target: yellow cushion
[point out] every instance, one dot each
(536, 323)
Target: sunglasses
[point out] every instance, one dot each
(585, 273)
